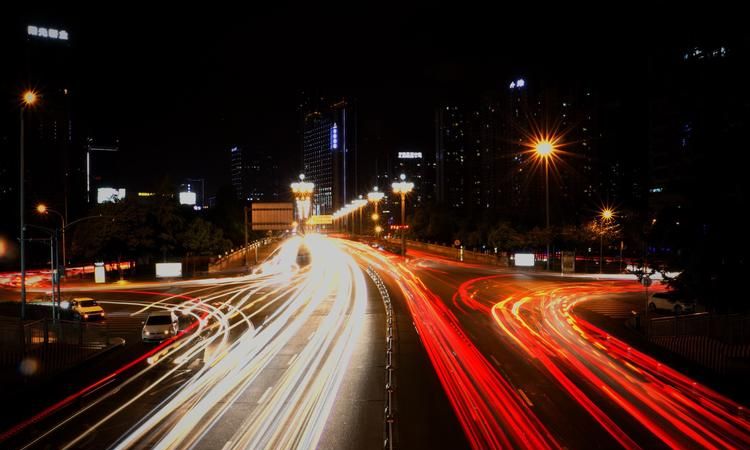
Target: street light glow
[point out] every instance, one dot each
(607, 214)
(544, 148)
(41, 208)
(29, 98)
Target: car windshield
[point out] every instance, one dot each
(87, 303)
(159, 320)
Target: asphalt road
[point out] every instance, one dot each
(556, 380)
(290, 356)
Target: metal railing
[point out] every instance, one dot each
(389, 415)
(50, 345)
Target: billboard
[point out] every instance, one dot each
(275, 216)
(187, 198)
(168, 270)
(524, 259)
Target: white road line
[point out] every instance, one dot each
(293, 359)
(265, 395)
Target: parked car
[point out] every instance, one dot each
(160, 325)
(85, 308)
(670, 301)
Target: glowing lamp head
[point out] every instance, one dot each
(544, 148)
(29, 98)
(608, 214)
(375, 217)
(41, 208)
(378, 229)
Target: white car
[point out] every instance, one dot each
(159, 326)
(670, 301)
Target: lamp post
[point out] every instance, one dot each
(402, 188)
(375, 197)
(43, 209)
(28, 100)
(359, 204)
(605, 217)
(544, 150)
(302, 191)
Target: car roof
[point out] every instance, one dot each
(161, 313)
(81, 298)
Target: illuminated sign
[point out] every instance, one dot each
(99, 273)
(409, 155)
(109, 195)
(524, 259)
(334, 137)
(146, 194)
(168, 270)
(320, 220)
(519, 83)
(47, 33)
(187, 198)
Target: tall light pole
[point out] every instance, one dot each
(375, 197)
(606, 216)
(28, 100)
(43, 209)
(403, 187)
(360, 205)
(544, 150)
(303, 191)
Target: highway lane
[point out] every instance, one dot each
(260, 365)
(570, 375)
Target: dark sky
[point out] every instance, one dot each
(178, 86)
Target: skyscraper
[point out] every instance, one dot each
(256, 176)
(329, 154)
(450, 148)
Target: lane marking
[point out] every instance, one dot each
(293, 359)
(265, 395)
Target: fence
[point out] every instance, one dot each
(43, 346)
(718, 342)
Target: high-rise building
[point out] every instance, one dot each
(450, 149)
(329, 154)
(256, 176)
(698, 117)
(419, 169)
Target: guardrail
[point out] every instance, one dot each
(389, 412)
(237, 255)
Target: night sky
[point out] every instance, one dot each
(178, 87)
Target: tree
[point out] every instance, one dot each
(203, 238)
(504, 237)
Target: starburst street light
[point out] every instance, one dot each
(605, 225)
(402, 188)
(28, 99)
(544, 149)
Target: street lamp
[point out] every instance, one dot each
(28, 99)
(375, 197)
(403, 187)
(302, 191)
(606, 216)
(43, 209)
(544, 150)
(360, 205)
